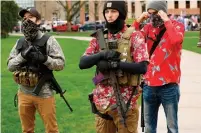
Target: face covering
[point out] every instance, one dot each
(115, 26)
(156, 20)
(30, 29)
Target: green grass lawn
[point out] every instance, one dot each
(190, 41)
(77, 82)
(86, 33)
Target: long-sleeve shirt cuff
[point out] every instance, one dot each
(136, 25)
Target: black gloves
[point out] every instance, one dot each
(109, 60)
(25, 53)
(38, 57)
(104, 65)
(35, 55)
(88, 61)
(109, 55)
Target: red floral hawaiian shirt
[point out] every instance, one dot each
(164, 64)
(104, 95)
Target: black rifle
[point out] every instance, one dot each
(50, 77)
(59, 90)
(142, 108)
(121, 106)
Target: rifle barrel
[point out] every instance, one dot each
(67, 103)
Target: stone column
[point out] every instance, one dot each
(170, 4)
(193, 4)
(100, 10)
(138, 9)
(91, 11)
(182, 4)
(129, 9)
(82, 14)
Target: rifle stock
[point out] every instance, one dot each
(121, 106)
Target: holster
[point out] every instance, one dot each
(95, 110)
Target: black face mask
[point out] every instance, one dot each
(30, 30)
(156, 20)
(115, 26)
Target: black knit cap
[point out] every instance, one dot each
(118, 5)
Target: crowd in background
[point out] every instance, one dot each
(191, 23)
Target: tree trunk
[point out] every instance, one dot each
(69, 26)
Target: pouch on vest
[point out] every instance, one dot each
(26, 75)
(124, 45)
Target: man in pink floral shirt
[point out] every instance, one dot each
(129, 57)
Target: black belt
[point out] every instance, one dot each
(164, 86)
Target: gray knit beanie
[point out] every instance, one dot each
(157, 5)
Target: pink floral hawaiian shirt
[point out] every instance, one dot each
(104, 95)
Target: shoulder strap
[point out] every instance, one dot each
(42, 41)
(20, 43)
(159, 36)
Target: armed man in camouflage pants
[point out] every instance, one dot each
(34, 56)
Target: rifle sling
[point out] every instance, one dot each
(158, 39)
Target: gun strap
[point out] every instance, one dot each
(16, 100)
(129, 100)
(159, 36)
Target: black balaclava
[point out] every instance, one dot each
(30, 30)
(118, 24)
(157, 5)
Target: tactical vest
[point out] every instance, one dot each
(30, 72)
(123, 46)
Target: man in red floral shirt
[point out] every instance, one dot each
(129, 57)
(163, 75)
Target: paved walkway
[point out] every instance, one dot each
(58, 36)
(190, 100)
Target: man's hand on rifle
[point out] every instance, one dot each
(109, 55)
(25, 53)
(38, 56)
(104, 65)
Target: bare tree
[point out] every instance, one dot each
(71, 10)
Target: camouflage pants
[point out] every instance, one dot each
(114, 126)
(28, 104)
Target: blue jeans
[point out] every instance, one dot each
(167, 95)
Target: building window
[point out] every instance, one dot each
(176, 4)
(187, 4)
(198, 4)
